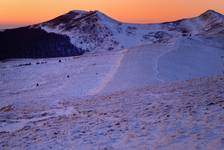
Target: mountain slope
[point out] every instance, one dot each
(86, 30)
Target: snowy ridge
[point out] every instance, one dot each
(95, 31)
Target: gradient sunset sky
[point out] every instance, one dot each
(24, 12)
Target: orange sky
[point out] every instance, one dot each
(22, 12)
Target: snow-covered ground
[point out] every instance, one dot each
(173, 115)
(106, 72)
(72, 77)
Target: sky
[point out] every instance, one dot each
(15, 13)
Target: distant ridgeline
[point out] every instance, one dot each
(29, 42)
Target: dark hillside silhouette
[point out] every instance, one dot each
(28, 42)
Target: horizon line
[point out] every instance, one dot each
(15, 25)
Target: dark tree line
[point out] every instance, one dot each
(29, 42)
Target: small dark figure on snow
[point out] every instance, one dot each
(59, 61)
(37, 84)
(68, 76)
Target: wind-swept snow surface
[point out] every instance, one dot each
(174, 115)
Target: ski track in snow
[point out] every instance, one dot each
(109, 76)
(170, 48)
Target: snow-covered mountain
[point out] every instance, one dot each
(79, 31)
(94, 30)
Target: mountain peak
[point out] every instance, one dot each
(78, 11)
(210, 13)
(84, 12)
